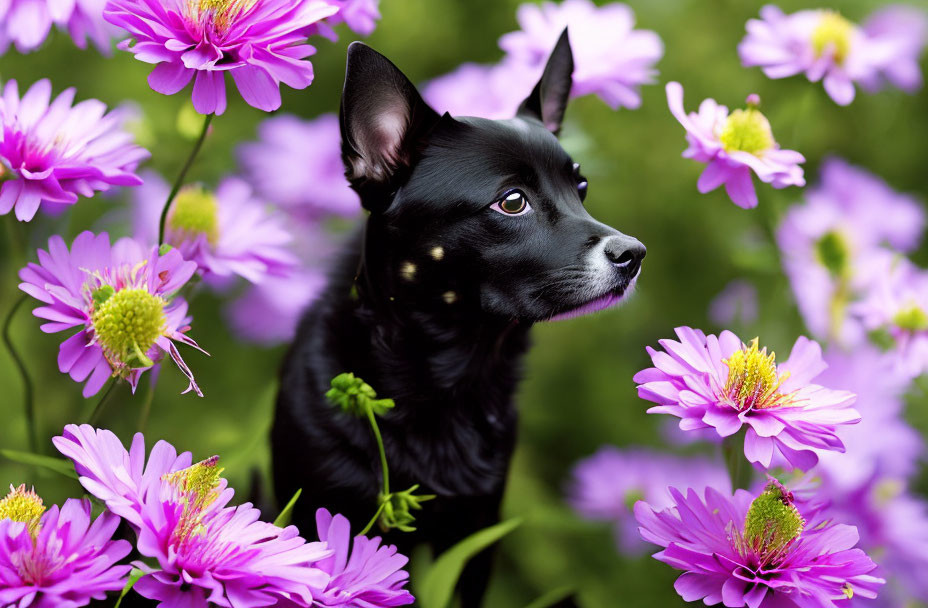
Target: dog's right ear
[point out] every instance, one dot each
(384, 122)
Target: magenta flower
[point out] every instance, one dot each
(757, 552)
(59, 558)
(307, 181)
(359, 15)
(226, 233)
(825, 46)
(208, 553)
(269, 312)
(257, 41)
(736, 303)
(732, 146)
(612, 59)
(724, 384)
(488, 91)
(372, 577)
(122, 299)
(606, 486)
(839, 241)
(26, 23)
(51, 152)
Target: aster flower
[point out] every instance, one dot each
(825, 46)
(372, 577)
(612, 59)
(307, 181)
(606, 486)
(26, 23)
(488, 91)
(59, 558)
(226, 233)
(208, 553)
(257, 41)
(359, 15)
(51, 152)
(269, 312)
(732, 146)
(121, 297)
(737, 302)
(839, 240)
(724, 384)
(756, 551)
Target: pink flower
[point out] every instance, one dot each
(732, 146)
(724, 384)
(26, 23)
(257, 41)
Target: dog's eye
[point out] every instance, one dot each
(513, 203)
(581, 182)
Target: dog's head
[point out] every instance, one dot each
(471, 213)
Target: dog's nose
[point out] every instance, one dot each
(626, 253)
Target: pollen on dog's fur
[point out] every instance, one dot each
(408, 271)
(449, 297)
(437, 253)
(24, 506)
(753, 379)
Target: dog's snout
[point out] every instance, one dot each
(626, 253)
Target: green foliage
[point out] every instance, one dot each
(396, 507)
(134, 575)
(283, 520)
(356, 396)
(58, 465)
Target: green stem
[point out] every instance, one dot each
(98, 410)
(180, 177)
(373, 520)
(16, 244)
(383, 453)
(28, 402)
(739, 469)
(146, 407)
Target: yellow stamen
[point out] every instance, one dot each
(195, 211)
(195, 487)
(24, 506)
(747, 131)
(127, 323)
(833, 32)
(753, 381)
(772, 523)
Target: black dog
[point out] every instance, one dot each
(477, 230)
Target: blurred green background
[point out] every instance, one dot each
(578, 393)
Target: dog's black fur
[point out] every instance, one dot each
(433, 302)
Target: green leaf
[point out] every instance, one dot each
(437, 589)
(552, 598)
(134, 576)
(58, 465)
(283, 520)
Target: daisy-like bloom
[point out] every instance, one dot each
(208, 553)
(612, 59)
(51, 152)
(227, 232)
(372, 577)
(758, 552)
(359, 15)
(122, 299)
(724, 384)
(26, 23)
(838, 241)
(268, 313)
(736, 303)
(825, 46)
(259, 42)
(59, 558)
(307, 181)
(607, 485)
(733, 145)
(488, 91)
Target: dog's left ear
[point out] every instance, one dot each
(384, 122)
(548, 100)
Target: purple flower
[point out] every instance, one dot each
(308, 181)
(257, 41)
(737, 302)
(51, 152)
(372, 577)
(57, 558)
(122, 299)
(26, 23)
(360, 15)
(208, 553)
(724, 384)
(268, 313)
(758, 552)
(732, 146)
(488, 91)
(606, 486)
(611, 58)
(825, 46)
(226, 233)
(839, 240)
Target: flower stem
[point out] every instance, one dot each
(383, 453)
(180, 176)
(146, 407)
(370, 524)
(28, 403)
(98, 410)
(739, 469)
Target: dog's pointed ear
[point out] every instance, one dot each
(383, 120)
(548, 100)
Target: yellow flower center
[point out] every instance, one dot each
(195, 211)
(911, 318)
(127, 323)
(747, 131)
(24, 506)
(772, 523)
(219, 13)
(194, 487)
(833, 32)
(753, 381)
